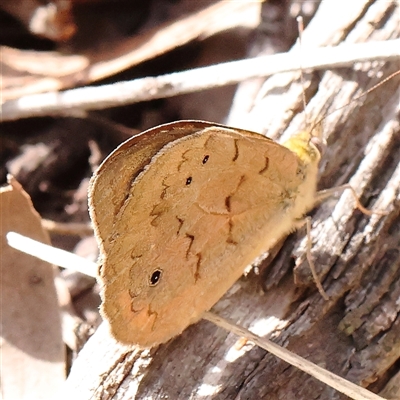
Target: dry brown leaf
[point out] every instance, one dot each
(33, 361)
(28, 72)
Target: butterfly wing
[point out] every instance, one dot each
(206, 204)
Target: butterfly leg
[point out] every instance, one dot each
(311, 261)
(298, 224)
(320, 197)
(324, 194)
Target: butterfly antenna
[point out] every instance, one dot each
(388, 78)
(300, 27)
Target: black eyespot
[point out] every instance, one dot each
(205, 159)
(155, 277)
(189, 180)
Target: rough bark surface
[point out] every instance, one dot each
(356, 334)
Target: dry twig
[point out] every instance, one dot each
(129, 92)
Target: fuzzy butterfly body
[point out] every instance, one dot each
(180, 211)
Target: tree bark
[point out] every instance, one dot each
(356, 333)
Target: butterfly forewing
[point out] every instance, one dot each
(205, 205)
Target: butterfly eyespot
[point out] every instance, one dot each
(189, 180)
(205, 159)
(155, 277)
